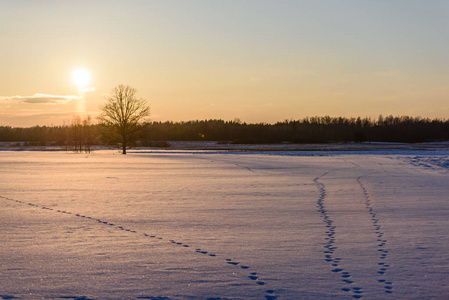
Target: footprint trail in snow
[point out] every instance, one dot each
(383, 252)
(330, 248)
(253, 276)
(331, 238)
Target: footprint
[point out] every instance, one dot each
(337, 270)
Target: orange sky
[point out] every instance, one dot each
(260, 61)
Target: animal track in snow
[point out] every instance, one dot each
(330, 239)
(383, 252)
(269, 293)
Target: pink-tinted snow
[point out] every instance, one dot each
(198, 225)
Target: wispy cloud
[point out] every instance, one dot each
(43, 99)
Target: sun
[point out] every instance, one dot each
(81, 78)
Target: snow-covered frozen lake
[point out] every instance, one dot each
(216, 225)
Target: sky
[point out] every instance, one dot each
(256, 60)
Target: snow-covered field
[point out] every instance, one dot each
(217, 225)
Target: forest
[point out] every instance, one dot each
(81, 135)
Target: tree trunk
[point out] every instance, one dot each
(124, 145)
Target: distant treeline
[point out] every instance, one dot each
(308, 130)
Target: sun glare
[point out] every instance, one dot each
(81, 78)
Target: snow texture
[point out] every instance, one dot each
(216, 225)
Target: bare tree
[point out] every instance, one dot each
(76, 134)
(87, 134)
(123, 112)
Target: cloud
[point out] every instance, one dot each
(43, 99)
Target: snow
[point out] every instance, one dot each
(195, 224)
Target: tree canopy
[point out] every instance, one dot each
(122, 114)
